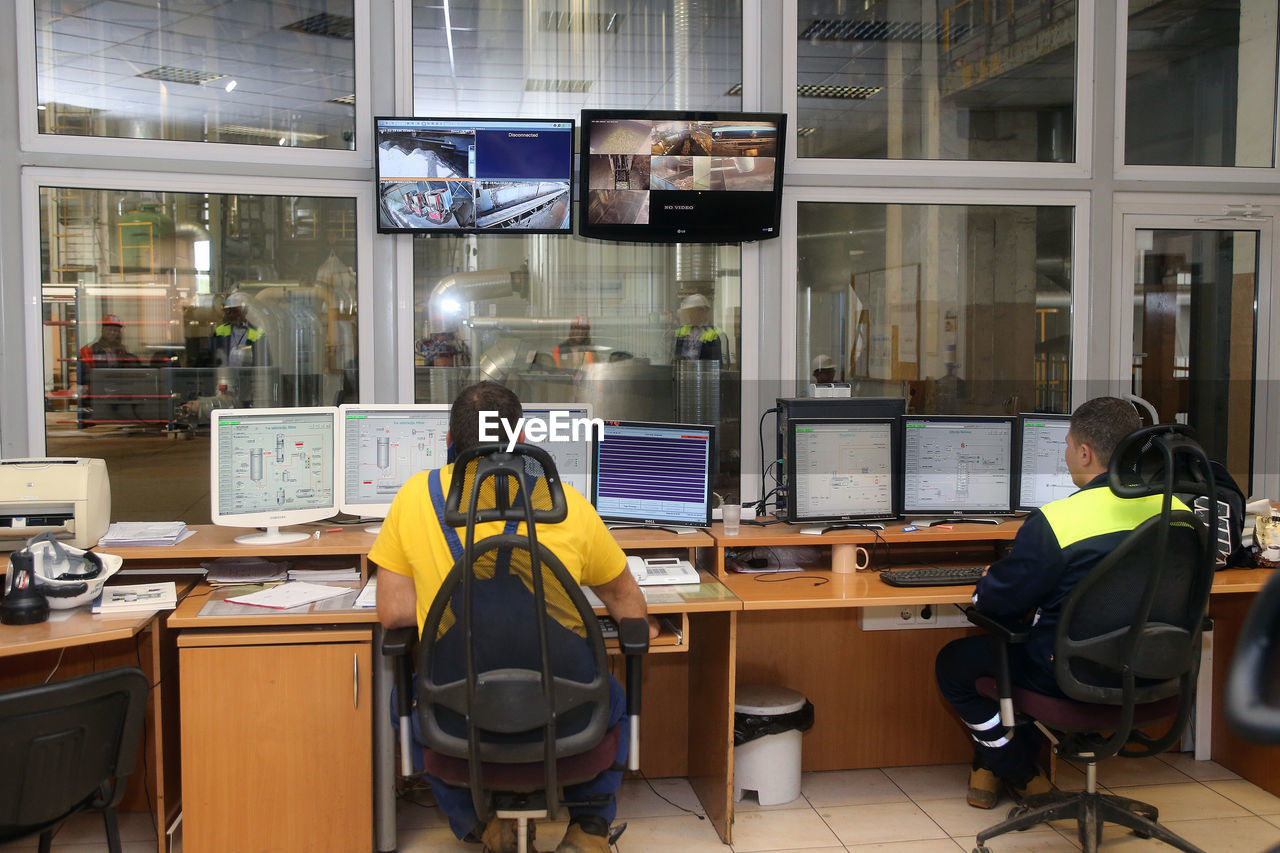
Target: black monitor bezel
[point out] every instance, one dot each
(377, 171)
(648, 233)
(959, 513)
(1023, 417)
(895, 472)
(712, 450)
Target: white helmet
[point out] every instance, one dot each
(68, 577)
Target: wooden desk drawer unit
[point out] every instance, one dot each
(276, 740)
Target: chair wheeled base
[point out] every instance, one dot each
(1091, 810)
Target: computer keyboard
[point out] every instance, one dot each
(934, 576)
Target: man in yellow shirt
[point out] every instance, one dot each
(414, 556)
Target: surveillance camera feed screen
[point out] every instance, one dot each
(452, 175)
(681, 177)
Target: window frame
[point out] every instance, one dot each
(31, 139)
(900, 168)
(1134, 211)
(35, 178)
(1079, 202)
(1132, 172)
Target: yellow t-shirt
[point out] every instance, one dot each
(412, 542)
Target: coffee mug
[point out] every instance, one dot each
(849, 558)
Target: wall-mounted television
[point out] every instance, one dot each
(680, 177)
(453, 175)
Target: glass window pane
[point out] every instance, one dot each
(1193, 336)
(254, 72)
(1201, 88)
(964, 309)
(972, 80)
(160, 307)
(563, 319)
(501, 58)
(642, 332)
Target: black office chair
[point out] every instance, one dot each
(66, 747)
(513, 677)
(1253, 707)
(1127, 649)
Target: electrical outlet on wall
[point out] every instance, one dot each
(911, 616)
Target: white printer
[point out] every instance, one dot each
(67, 496)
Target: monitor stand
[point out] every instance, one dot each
(669, 528)
(961, 519)
(271, 536)
(842, 525)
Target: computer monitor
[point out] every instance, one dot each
(957, 466)
(841, 469)
(271, 467)
(1042, 468)
(653, 475)
(382, 446)
(568, 439)
(826, 407)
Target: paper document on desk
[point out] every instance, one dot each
(286, 595)
(368, 596)
(136, 533)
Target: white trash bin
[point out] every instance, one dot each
(768, 765)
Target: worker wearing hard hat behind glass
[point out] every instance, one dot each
(107, 351)
(824, 368)
(236, 342)
(697, 339)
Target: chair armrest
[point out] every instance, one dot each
(1002, 636)
(633, 636)
(633, 639)
(397, 641)
(1008, 633)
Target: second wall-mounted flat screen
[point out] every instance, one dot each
(680, 177)
(445, 175)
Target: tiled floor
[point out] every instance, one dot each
(901, 810)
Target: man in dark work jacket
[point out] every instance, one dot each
(1054, 550)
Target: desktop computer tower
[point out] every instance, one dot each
(825, 407)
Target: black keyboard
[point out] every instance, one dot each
(935, 576)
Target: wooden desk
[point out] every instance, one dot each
(873, 693)
(78, 642)
(1233, 592)
(687, 728)
(293, 692)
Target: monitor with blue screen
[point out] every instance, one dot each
(653, 475)
(957, 466)
(272, 467)
(1043, 476)
(382, 446)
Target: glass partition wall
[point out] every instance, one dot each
(159, 307)
(641, 331)
(963, 309)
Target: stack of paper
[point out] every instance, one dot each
(325, 575)
(368, 596)
(145, 533)
(286, 595)
(237, 570)
(138, 596)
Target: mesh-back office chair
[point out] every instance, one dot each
(1127, 649)
(66, 747)
(1252, 700)
(513, 678)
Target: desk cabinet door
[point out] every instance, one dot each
(276, 745)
